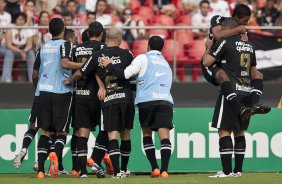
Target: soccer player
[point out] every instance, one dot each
(237, 58)
(153, 98)
(216, 76)
(55, 98)
(117, 107)
(87, 109)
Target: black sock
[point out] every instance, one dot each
(114, 153)
(28, 137)
(82, 150)
(74, 152)
(125, 150)
(230, 95)
(53, 138)
(101, 147)
(150, 151)
(239, 151)
(256, 92)
(226, 151)
(59, 146)
(165, 153)
(42, 151)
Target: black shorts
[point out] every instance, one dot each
(226, 118)
(209, 73)
(34, 111)
(54, 111)
(155, 115)
(86, 113)
(118, 117)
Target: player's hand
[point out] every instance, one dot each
(209, 43)
(242, 29)
(101, 93)
(67, 82)
(23, 55)
(244, 37)
(105, 61)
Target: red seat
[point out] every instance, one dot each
(139, 47)
(160, 32)
(185, 36)
(146, 12)
(163, 19)
(196, 49)
(139, 17)
(55, 15)
(124, 45)
(186, 19)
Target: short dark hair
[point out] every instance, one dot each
(69, 33)
(156, 43)
(71, 1)
(230, 23)
(68, 14)
(19, 14)
(84, 36)
(204, 1)
(95, 29)
(241, 10)
(56, 26)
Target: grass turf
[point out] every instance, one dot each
(247, 178)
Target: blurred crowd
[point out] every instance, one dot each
(16, 43)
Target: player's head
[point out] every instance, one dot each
(114, 36)
(242, 14)
(85, 36)
(229, 23)
(155, 43)
(57, 27)
(95, 29)
(70, 35)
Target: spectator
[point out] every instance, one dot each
(5, 20)
(235, 3)
(71, 7)
(191, 5)
(13, 7)
(219, 7)
(90, 5)
(267, 15)
(202, 18)
(42, 36)
(69, 20)
(118, 6)
(101, 16)
(90, 17)
(30, 10)
(130, 35)
(164, 6)
(19, 44)
(52, 6)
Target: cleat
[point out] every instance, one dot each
(84, 176)
(164, 174)
(108, 164)
(53, 169)
(99, 171)
(64, 172)
(118, 175)
(245, 113)
(125, 173)
(35, 166)
(74, 173)
(220, 174)
(40, 175)
(155, 173)
(237, 174)
(90, 162)
(260, 109)
(19, 159)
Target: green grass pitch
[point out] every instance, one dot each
(247, 178)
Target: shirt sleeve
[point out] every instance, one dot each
(254, 59)
(37, 62)
(66, 50)
(90, 66)
(218, 49)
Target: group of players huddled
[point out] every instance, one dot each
(76, 82)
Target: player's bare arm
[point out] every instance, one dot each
(66, 63)
(219, 33)
(102, 90)
(75, 77)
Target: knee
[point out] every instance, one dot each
(221, 76)
(9, 53)
(257, 75)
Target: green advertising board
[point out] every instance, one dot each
(194, 143)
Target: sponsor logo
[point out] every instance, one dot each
(219, 47)
(46, 76)
(162, 96)
(243, 88)
(45, 87)
(115, 60)
(46, 63)
(66, 75)
(83, 92)
(163, 85)
(140, 82)
(114, 96)
(48, 48)
(159, 74)
(86, 64)
(244, 73)
(223, 61)
(82, 51)
(242, 46)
